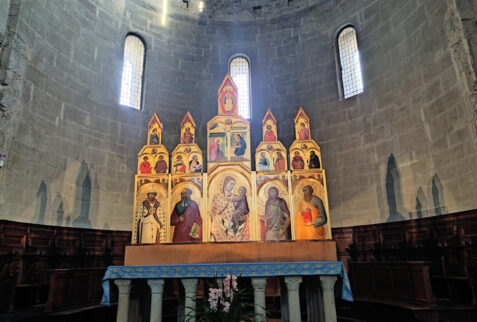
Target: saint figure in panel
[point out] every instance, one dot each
(186, 219)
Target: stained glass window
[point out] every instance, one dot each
(240, 73)
(350, 65)
(133, 65)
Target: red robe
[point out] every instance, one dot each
(298, 163)
(304, 134)
(183, 228)
(161, 166)
(280, 164)
(145, 167)
(187, 138)
(270, 136)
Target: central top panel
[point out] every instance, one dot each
(228, 134)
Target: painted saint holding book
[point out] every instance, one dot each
(310, 216)
(186, 219)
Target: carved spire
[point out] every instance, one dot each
(302, 125)
(154, 131)
(187, 129)
(269, 127)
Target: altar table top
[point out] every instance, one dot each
(222, 269)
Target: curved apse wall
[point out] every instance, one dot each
(404, 148)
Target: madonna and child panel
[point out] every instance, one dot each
(229, 211)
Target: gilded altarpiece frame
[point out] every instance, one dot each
(186, 178)
(273, 188)
(151, 189)
(308, 184)
(228, 134)
(231, 199)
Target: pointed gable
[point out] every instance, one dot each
(188, 119)
(302, 125)
(301, 113)
(187, 129)
(228, 97)
(154, 131)
(269, 127)
(154, 120)
(269, 117)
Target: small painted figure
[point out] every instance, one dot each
(154, 138)
(145, 166)
(194, 165)
(269, 134)
(279, 163)
(314, 161)
(304, 132)
(310, 216)
(179, 165)
(240, 146)
(239, 216)
(228, 102)
(276, 217)
(214, 150)
(161, 165)
(186, 219)
(263, 163)
(147, 224)
(187, 137)
(297, 162)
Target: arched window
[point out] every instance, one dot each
(133, 67)
(349, 63)
(239, 70)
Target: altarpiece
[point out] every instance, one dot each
(178, 201)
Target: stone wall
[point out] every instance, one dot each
(405, 148)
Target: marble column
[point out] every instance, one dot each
(314, 299)
(157, 289)
(293, 287)
(190, 288)
(328, 287)
(259, 284)
(284, 301)
(124, 287)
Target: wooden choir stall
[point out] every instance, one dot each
(191, 223)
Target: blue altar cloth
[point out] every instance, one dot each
(222, 269)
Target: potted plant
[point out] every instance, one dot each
(225, 304)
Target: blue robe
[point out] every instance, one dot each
(263, 164)
(241, 149)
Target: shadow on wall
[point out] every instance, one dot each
(395, 197)
(394, 191)
(421, 204)
(57, 210)
(83, 197)
(438, 196)
(41, 198)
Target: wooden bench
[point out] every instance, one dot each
(72, 288)
(406, 286)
